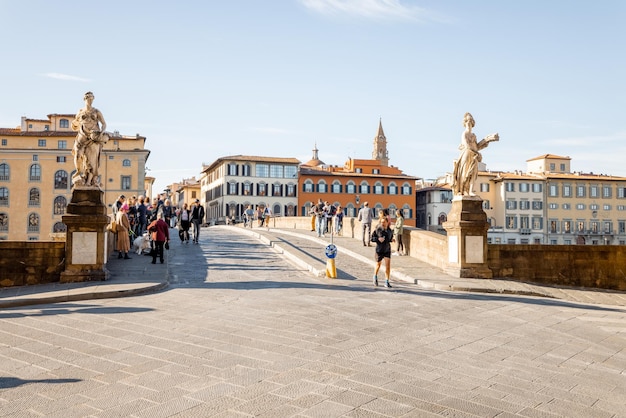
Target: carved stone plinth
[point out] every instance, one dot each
(467, 238)
(85, 245)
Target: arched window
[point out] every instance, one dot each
(308, 186)
(4, 222)
(291, 210)
(34, 197)
(392, 211)
(64, 123)
(4, 172)
(350, 187)
(246, 170)
(336, 188)
(33, 222)
(60, 180)
(261, 189)
(364, 188)
(392, 188)
(126, 163)
(4, 196)
(306, 209)
(276, 211)
(351, 210)
(407, 212)
(247, 188)
(34, 173)
(378, 188)
(60, 204)
(59, 227)
(322, 186)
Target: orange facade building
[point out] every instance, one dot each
(358, 181)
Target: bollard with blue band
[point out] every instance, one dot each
(331, 253)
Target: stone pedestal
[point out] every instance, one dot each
(85, 245)
(467, 238)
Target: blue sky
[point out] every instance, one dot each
(206, 79)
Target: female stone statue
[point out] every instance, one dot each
(466, 166)
(90, 125)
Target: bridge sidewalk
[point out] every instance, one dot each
(295, 243)
(137, 276)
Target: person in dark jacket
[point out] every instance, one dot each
(160, 233)
(383, 237)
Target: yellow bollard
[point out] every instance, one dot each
(331, 271)
(331, 253)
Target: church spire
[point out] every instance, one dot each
(380, 146)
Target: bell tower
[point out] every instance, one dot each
(380, 146)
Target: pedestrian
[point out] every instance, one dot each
(313, 213)
(118, 203)
(259, 216)
(267, 214)
(320, 221)
(398, 229)
(185, 223)
(142, 215)
(160, 234)
(197, 215)
(249, 216)
(123, 226)
(384, 213)
(338, 221)
(383, 237)
(132, 216)
(365, 217)
(329, 212)
(168, 212)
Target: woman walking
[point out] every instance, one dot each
(383, 237)
(398, 229)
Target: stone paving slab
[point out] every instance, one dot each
(241, 331)
(308, 250)
(303, 249)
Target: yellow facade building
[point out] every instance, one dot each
(550, 204)
(36, 168)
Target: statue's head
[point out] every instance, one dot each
(88, 95)
(468, 118)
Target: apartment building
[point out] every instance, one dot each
(358, 180)
(549, 204)
(230, 184)
(36, 169)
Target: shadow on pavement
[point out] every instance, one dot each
(13, 382)
(70, 308)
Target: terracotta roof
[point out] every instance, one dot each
(549, 157)
(312, 171)
(18, 132)
(314, 163)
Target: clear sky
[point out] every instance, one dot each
(207, 79)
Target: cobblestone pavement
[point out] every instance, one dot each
(243, 330)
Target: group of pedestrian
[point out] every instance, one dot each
(137, 216)
(326, 218)
(263, 214)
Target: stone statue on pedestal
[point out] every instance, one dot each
(466, 166)
(90, 125)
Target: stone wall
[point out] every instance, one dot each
(598, 266)
(31, 262)
(594, 266)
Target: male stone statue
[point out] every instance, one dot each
(90, 125)
(466, 166)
